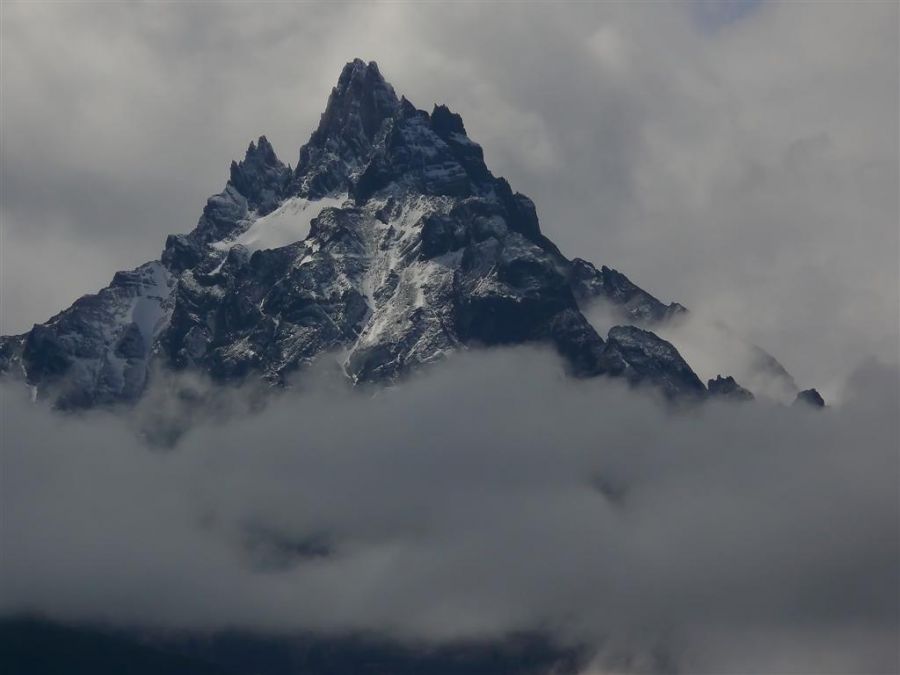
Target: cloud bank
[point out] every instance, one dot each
(742, 162)
(488, 496)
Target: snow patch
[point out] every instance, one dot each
(147, 309)
(285, 225)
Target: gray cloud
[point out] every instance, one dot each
(742, 161)
(743, 164)
(485, 497)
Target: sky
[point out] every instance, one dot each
(739, 158)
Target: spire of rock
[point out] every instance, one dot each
(261, 177)
(357, 109)
(727, 388)
(360, 102)
(445, 122)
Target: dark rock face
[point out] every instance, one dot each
(355, 119)
(390, 242)
(642, 356)
(589, 283)
(811, 398)
(97, 351)
(261, 178)
(727, 388)
(10, 354)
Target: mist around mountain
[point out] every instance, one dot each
(488, 498)
(366, 417)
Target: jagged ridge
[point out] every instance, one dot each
(390, 241)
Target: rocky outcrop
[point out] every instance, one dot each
(727, 388)
(390, 242)
(810, 397)
(642, 356)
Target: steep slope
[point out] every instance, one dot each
(98, 350)
(390, 242)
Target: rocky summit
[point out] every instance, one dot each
(390, 243)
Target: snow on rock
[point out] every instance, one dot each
(98, 350)
(285, 225)
(148, 311)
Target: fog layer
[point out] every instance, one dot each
(487, 496)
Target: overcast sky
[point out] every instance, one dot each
(739, 158)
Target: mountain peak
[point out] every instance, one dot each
(391, 242)
(260, 177)
(260, 152)
(446, 122)
(358, 108)
(359, 69)
(359, 103)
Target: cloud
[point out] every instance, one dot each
(745, 165)
(484, 497)
(713, 15)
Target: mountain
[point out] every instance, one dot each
(390, 243)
